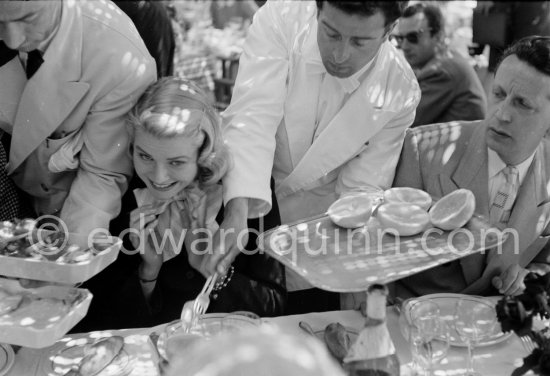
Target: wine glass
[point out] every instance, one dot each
(475, 320)
(412, 312)
(429, 339)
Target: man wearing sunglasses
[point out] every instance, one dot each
(450, 87)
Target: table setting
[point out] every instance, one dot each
(499, 358)
(437, 334)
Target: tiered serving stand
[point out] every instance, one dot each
(58, 281)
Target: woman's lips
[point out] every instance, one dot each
(162, 187)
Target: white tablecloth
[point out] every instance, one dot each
(497, 360)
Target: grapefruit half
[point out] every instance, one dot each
(406, 219)
(400, 195)
(351, 211)
(454, 210)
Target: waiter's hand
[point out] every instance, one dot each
(230, 238)
(510, 281)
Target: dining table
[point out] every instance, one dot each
(497, 359)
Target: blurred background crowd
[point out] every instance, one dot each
(209, 35)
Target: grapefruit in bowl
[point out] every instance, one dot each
(406, 195)
(406, 219)
(453, 210)
(351, 211)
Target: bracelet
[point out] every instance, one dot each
(143, 280)
(226, 278)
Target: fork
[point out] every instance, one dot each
(202, 301)
(528, 344)
(193, 309)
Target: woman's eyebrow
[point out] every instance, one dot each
(180, 157)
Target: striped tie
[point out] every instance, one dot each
(505, 197)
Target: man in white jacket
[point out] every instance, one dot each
(321, 104)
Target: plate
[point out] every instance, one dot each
(447, 303)
(7, 357)
(65, 355)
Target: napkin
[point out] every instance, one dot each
(65, 158)
(191, 209)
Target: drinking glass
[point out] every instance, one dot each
(429, 339)
(475, 320)
(413, 311)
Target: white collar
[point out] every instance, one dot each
(495, 165)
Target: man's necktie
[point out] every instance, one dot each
(34, 61)
(505, 197)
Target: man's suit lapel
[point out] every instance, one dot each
(471, 173)
(51, 94)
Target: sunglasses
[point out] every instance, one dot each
(412, 37)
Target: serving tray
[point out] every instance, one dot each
(349, 260)
(105, 252)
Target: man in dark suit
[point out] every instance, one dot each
(154, 26)
(509, 149)
(450, 87)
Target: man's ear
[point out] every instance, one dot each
(389, 29)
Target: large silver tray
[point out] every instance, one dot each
(349, 260)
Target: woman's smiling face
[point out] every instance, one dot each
(165, 164)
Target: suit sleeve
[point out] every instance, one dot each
(375, 166)
(105, 163)
(256, 110)
(450, 93)
(438, 90)
(408, 171)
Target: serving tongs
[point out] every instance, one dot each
(193, 309)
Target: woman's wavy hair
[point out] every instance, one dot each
(173, 107)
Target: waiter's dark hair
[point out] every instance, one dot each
(391, 10)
